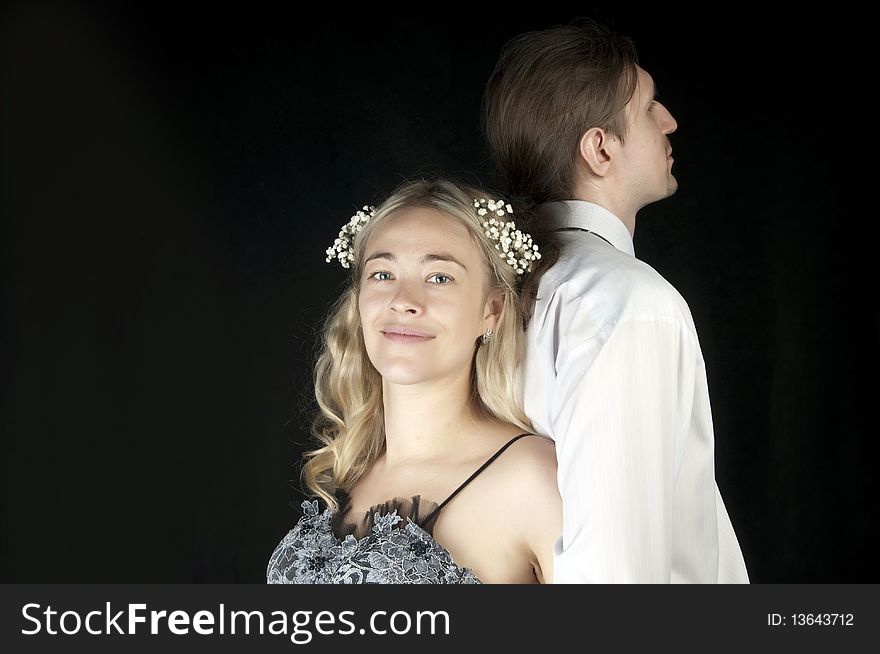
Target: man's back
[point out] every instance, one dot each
(614, 373)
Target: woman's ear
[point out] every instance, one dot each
(493, 309)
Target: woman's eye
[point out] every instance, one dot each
(440, 278)
(380, 276)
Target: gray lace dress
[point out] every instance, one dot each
(393, 544)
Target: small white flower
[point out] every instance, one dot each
(515, 247)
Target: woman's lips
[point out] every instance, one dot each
(406, 338)
(405, 335)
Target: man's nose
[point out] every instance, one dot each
(667, 123)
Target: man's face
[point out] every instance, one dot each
(646, 156)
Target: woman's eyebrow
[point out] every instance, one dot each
(438, 256)
(380, 255)
(442, 256)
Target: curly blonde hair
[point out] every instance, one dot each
(349, 425)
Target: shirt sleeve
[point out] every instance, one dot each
(624, 435)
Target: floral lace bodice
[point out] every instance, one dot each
(391, 553)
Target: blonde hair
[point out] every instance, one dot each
(348, 390)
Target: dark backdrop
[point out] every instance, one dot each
(170, 183)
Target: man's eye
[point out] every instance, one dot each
(440, 278)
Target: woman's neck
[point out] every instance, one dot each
(426, 421)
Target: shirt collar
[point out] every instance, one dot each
(589, 216)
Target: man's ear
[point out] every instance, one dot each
(492, 310)
(596, 149)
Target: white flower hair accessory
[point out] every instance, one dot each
(343, 248)
(514, 246)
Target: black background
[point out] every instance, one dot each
(170, 182)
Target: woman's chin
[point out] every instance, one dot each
(403, 377)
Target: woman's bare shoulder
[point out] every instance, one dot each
(529, 468)
(528, 499)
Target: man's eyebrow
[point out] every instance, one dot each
(439, 256)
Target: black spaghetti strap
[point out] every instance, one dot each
(433, 515)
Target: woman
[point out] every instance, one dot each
(428, 468)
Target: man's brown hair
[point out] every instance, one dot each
(548, 88)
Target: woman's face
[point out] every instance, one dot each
(423, 297)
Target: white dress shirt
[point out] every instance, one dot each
(615, 375)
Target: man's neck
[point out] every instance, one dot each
(587, 216)
(611, 203)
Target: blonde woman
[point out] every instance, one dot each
(427, 469)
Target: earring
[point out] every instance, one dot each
(487, 336)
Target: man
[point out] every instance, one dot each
(614, 372)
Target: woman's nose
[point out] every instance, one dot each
(407, 299)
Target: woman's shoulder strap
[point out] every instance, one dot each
(488, 462)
